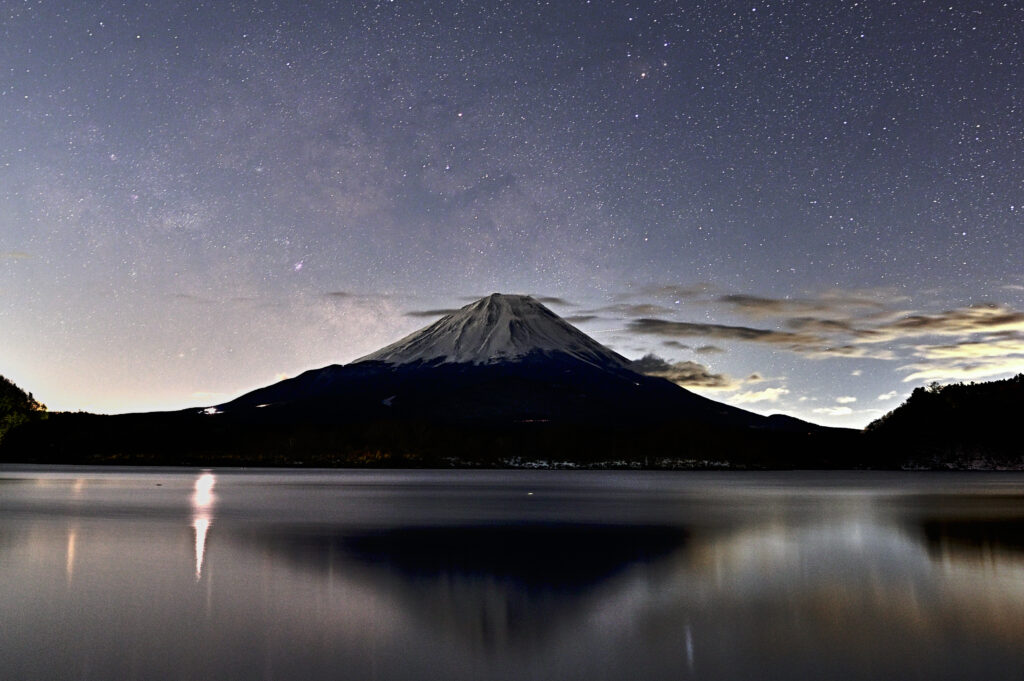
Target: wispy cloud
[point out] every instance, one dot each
(663, 327)
(962, 371)
(552, 300)
(884, 397)
(755, 396)
(973, 350)
(846, 399)
(982, 318)
(809, 344)
(673, 291)
(689, 374)
(833, 411)
(441, 312)
(14, 255)
(977, 356)
(633, 309)
(831, 303)
(977, 341)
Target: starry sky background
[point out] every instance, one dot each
(800, 207)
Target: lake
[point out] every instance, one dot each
(221, 574)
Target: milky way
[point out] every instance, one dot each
(195, 199)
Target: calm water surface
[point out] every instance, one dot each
(226, 574)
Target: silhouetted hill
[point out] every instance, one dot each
(16, 407)
(957, 425)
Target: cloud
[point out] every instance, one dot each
(962, 371)
(887, 396)
(552, 300)
(14, 255)
(856, 372)
(580, 318)
(431, 313)
(977, 341)
(766, 395)
(826, 326)
(809, 344)
(338, 294)
(832, 303)
(970, 350)
(964, 321)
(689, 374)
(663, 327)
(833, 411)
(675, 291)
(634, 309)
(846, 399)
(708, 350)
(990, 355)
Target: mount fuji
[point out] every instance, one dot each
(502, 382)
(501, 359)
(495, 329)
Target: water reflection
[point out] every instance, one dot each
(853, 594)
(202, 506)
(69, 563)
(662, 577)
(493, 587)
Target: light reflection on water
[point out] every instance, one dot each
(509, 575)
(202, 506)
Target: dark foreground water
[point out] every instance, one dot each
(177, 574)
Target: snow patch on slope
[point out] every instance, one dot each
(494, 329)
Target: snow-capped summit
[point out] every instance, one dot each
(497, 328)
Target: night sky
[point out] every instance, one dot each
(799, 207)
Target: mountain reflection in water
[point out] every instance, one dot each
(494, 585)
(148, 574)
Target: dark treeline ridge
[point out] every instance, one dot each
(955, 426)
(959, 425)
(191, 439)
